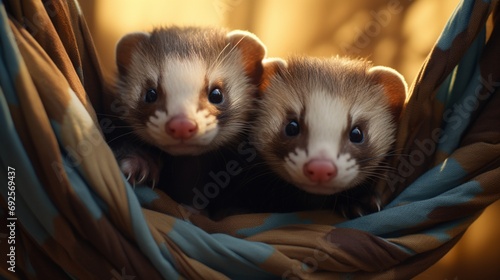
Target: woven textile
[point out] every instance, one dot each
(75, 216)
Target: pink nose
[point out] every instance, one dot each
(320, 170)
(181, 128)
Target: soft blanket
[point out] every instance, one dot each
(70, 213)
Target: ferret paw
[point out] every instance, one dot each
(140, 169)
(359, 206)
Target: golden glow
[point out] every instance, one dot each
(115, 18)
(476, 255)
(393, 33)
(402, 39)
(121, 16)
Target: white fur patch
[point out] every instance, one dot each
(326, 124)
(183, 81)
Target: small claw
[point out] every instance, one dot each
(142, 178)
(360, 213)
(153, 186)
(342, 211)
(378, 203)
(128, 177)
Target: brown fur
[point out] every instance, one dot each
(140, 54)
(374, 95)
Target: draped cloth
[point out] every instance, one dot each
(72, 214)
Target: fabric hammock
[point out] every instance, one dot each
(75, 216)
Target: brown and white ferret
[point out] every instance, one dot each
(185, 90)
(325, 125)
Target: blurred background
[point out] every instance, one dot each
(393, 33)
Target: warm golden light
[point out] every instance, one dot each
(115, 18)
(394, 33)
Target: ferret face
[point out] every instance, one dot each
(188, 90)
(326, 124)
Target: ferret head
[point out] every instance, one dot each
(188, 90)
(325, 125)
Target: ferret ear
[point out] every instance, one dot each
(272, 63)
(395, 87)
(272, 66)
(124, 49)
(252, 50)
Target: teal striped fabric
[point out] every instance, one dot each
(77, 217)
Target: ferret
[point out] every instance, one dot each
(325, 125)
(185, 90)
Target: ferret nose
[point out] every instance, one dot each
(181, 128)
(320, 170)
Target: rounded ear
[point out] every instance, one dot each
(274, 62)
(395, 87)
(252, 50)
(125, 48)
(271, 67)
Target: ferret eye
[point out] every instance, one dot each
(356, 135)
(150, 96)
(292, 128)
(215, 96)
